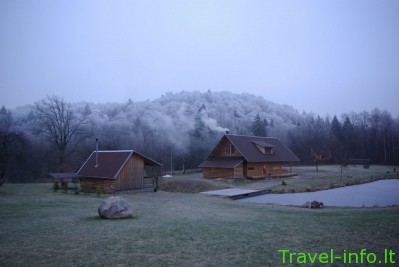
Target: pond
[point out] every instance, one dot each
(380, 193)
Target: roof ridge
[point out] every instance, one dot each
(113, 151)
(124, 162)
(251, 136)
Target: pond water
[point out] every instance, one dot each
(381, 193)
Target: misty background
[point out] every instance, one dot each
(169, 77)
(180, 129)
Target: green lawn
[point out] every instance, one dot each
(42, 228)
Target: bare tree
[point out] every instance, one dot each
(11, 141)
(318, 157)
(55, 119)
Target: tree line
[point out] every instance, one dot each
(179, 130)
(366, 135)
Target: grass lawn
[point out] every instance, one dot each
(40, 227)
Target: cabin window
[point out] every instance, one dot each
(269, 150)
(265, 150)
(230, 149)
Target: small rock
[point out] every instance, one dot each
(115, 207)
(316, 205)
(313, 205)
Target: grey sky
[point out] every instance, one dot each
(328, 57)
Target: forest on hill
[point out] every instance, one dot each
(179, 130)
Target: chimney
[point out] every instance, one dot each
(227, 132)
(96, 153)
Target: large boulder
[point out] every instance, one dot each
(115, 207)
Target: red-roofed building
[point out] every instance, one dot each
(238, 156)
(114, 170)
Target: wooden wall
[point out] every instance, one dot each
(221, 149)
(238, 171)
(223, 172)
(263, 169)
(252, 170)
(89, 185)
(131, 175)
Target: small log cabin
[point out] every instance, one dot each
(241, 156)
(114, 170)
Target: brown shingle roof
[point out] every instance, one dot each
(246, 145)
(109, 163)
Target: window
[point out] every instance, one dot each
(265, 150)
(230, 149)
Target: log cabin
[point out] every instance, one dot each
(242, 156)
(114, 170)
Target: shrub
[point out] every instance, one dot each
(56, 186)
(98, 191)
(76, 189)
(65, 186)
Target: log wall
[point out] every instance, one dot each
(223, 172)
(218, 173)
(252, 170)
(263, 169)
(89, 185)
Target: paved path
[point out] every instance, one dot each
(231, 192)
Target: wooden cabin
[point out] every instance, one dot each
(114, 170)
(242, 156)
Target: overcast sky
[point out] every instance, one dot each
(327, 57)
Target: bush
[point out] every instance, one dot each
(76, 189)
(56, 186)
(65, 186)
(98, 191)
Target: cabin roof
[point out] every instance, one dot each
(248, 148)
(246, 145)
(110, 163)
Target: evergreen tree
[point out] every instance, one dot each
(348, 138)
(336, 129)
(11, 142)
(258, 127)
